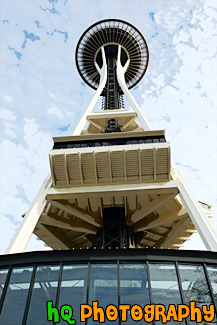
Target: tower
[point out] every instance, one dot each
(113, 189)
(117, 153)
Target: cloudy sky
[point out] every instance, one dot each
(42, 94)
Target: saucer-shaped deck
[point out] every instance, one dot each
(111, 33)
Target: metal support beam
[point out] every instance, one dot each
(173, 234)
(103, 190)
(156, 221)
(63, 223)
(59, 240)
(151, 206)
(75, 212)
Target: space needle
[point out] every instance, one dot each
(114, 207)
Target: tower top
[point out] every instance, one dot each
(110, 33)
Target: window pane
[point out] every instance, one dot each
(16, 295)
(194, 284)
(3, 275)
(73, 290)
(103, 287)
(134, 287)
(164, 284)
(212, 271)
(45, 289)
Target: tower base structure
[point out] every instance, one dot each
(120, 278)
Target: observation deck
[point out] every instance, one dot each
(111, 33)
(110, 158)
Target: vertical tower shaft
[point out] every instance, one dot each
(112, 89)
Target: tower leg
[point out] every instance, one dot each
(199, 219)
(103, 79)
(121, 80)
(27, 226)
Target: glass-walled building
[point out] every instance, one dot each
(142, 277)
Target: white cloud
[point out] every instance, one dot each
(51, 95)
(6, 114)
(55, 111)
(7, 230)
(7, 98)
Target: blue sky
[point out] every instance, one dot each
(42, 94)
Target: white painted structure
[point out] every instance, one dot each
(139, 177)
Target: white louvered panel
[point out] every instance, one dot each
(102, 165)
(162, 161)
(87, 165)
(117, 166)
(73, 169)
(58, 169)
(147, 163)
(132, 164)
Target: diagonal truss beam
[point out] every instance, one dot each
(155, 221)
(55, 236)
(174, 233)
(152, 206)
(79, 225)
(75, 212)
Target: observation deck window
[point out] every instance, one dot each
(16, 296)
(212, 272)
(134, 288)
(73, 288)
(44, 289)
(3, 275)
(103, 287)
(108, 142)
(164, 284)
